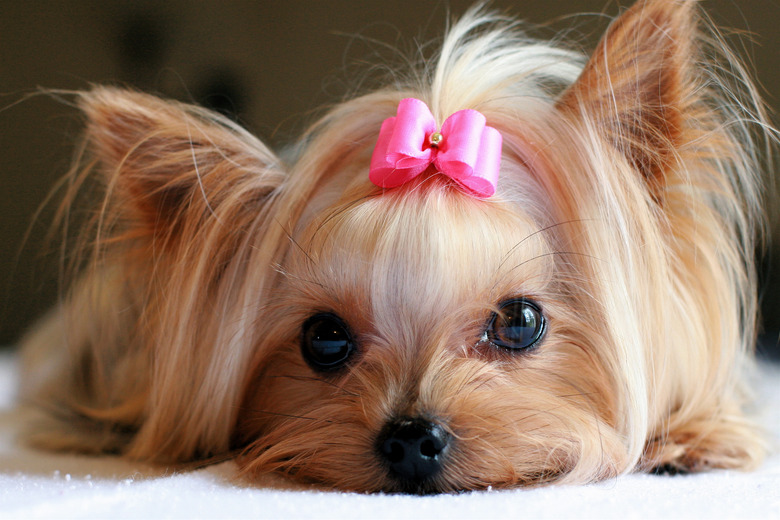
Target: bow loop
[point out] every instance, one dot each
(466, 149)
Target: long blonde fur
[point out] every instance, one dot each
(629, 205)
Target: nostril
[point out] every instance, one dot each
(429, 448)
(394, 450)
(413, 448)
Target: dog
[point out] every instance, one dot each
(516, 265)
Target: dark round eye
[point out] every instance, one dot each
(519, 324)
(326, 342)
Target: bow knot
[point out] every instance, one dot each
(465, 149)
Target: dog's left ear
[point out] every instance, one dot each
(645, 92)
(637, 86)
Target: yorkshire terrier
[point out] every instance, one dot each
(513, 266)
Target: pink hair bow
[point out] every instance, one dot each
(466, 149)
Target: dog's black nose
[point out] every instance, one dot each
(413, 449)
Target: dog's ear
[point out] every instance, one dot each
(637, 87)
(166, 163)
(190, 199)
(651, 91)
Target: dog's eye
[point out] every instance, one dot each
(518, 324)
(326, 342)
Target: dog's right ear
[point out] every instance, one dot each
(168, 165)
(188, 220)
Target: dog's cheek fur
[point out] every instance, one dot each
(525, 421)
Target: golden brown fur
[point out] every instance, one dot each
(628, 208)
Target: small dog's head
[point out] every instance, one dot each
(587, 319)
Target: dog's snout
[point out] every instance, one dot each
(413, 449)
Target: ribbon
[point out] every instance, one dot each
(465, 149)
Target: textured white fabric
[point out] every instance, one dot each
(44, 485)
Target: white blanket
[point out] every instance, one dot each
(44, 485)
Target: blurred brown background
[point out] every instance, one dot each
(269, 63)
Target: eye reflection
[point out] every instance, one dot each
(326, 342)
(519, 324)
